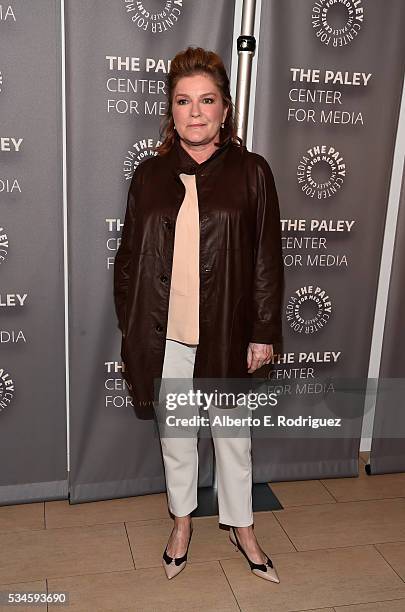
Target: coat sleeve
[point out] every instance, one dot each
(122, 262)
(268, 277)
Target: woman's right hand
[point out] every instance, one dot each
(258, 355)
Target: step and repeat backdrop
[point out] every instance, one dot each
(330, 79)
(327, 102)
(32, 338)
(388, 443)
(118, 55)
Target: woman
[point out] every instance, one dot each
(198, 285)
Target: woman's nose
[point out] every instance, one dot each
(195, 109)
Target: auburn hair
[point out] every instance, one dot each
(189, 62)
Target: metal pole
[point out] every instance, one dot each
(246, 44)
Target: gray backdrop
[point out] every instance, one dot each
(32, 363)
(388, 444)
(348, 184)
(114, 452)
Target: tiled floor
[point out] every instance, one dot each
(338, 546)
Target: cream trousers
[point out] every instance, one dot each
(180, 457)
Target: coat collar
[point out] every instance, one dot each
(182, 162)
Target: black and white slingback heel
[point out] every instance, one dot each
(173, 565)
(263, 570)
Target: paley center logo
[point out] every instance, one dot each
(337, 22)
(321, 172)
(140, 150)
(6, 389)
(308, 309)
(154, 16)
(3, 245)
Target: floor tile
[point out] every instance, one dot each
(34, 555)
(208, 542)
(344, 524)
(271, 537)
(301, 493)
(377, 486)
(200, 587)
(394, 553)
(19, 517)
(316, 579)
(63, 514)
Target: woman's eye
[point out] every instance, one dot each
(181, 100)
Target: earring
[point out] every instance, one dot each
(222, 125)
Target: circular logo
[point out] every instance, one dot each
(3, 245)
(140, 150)
(6, 389)
(308, 309)
(154, 16)
(337, 22)
(321, 172)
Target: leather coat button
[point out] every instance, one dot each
(159, 328)
(164, 278)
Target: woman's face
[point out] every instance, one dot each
(198, 109)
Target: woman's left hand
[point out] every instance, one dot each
(258, 355)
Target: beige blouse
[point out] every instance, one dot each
(184, 301)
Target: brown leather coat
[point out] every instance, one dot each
(241, 266)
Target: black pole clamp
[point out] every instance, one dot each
(246, 43)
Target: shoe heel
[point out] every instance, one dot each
(233, 542)
(263, 570)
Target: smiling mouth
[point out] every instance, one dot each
(197, 125)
